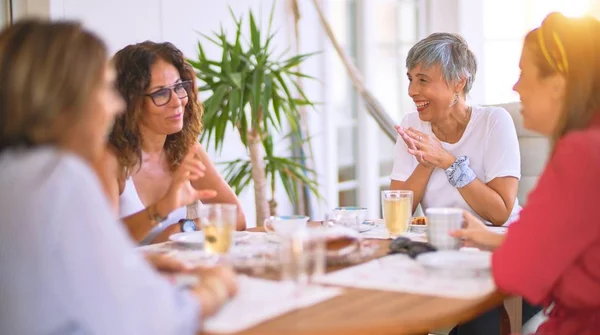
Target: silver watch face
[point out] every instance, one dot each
(188, 225)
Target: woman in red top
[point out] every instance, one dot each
(551, 256)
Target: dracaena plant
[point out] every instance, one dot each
(256, 94)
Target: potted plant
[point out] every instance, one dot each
(255, 93)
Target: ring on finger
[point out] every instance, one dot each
(419, 138)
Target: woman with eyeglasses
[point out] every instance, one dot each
(161, 168)
(551, 255)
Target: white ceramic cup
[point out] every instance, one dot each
(285, 225)
(440, 222)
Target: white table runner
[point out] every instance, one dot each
(399, 273)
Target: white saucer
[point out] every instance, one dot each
(455, 262)
(196, 238)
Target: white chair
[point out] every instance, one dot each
(534, 152)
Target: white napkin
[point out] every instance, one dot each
(399, 273)
(259, 300)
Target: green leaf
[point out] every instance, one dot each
(271, 14)
(236, 79)
(296, 60)
(216, 100)
(301, 75)
(211, 39)
(254, 34)
(283, 85)
(276, 107)
(243, 129)
(233, 104)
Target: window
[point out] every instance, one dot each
(377, 34)
(343, 99)
(397, 30)
(503, 42)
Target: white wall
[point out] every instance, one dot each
(122, 22)
(465, 18)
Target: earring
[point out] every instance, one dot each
(455, 100)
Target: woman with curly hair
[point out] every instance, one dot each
(161, 166)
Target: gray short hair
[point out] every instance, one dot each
(448, 50)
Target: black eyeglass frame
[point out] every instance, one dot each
(186, 85)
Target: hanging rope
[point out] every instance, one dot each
(383, 119)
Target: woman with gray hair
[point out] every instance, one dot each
(451, 154)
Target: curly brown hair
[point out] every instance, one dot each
(133, 64)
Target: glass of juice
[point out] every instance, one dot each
(397, 210)
(218, 222)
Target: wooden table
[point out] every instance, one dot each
(361, 311)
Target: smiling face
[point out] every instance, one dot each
(166, 119)
(542, 97)
(430, 92)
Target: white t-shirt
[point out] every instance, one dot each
(68, 265)
(490, 141)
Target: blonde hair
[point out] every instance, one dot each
(48, 72)
(570, 47)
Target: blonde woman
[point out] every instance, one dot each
(68, 266)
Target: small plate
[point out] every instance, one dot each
(196, 238)
(366, 226)
(192, 238)
(457, 261)
(418, 228)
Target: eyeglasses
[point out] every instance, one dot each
(162, 96)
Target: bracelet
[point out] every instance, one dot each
(459, 173)
(154, 217)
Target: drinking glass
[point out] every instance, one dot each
(218, 221)
(397, 211)
(303, 255)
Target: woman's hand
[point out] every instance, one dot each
(428, 149)
(181, 192)
(165, 264)
(217, 286)
(475, 234)
(410, 143)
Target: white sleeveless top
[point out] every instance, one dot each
(130, 203)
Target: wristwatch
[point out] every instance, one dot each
(187, 225)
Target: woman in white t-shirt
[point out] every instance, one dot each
(451, 154)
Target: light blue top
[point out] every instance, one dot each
(68, 265)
